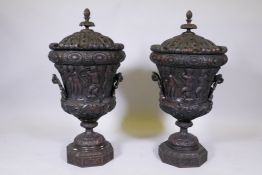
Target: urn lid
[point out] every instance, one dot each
(188, 42)
(86, 39)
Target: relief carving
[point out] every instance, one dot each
(91, 82)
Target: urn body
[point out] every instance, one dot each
(187, 66)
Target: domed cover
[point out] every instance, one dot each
(86, 39)
(188, 42)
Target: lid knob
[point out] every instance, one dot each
(188, 26)
(87, 23)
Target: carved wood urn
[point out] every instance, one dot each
(188, 66)
(87, 62)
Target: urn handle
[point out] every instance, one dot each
(156, 77)
(55, 80)
(116, 80)
(218, 79)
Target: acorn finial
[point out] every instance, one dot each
(189, 16)
(87, 14)
(87, 23)
(188, 26)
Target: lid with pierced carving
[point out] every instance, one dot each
(188, 42)
(86, 39)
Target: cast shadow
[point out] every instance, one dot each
(142, 117)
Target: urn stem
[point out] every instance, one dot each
(88, 126)
(184, 125)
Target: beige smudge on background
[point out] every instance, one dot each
(142, 118)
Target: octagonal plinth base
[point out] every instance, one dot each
(182, 159)
(87, 157)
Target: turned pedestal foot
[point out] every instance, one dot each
(89, 148)
(182, 149)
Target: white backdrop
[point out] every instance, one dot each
(34, 130)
